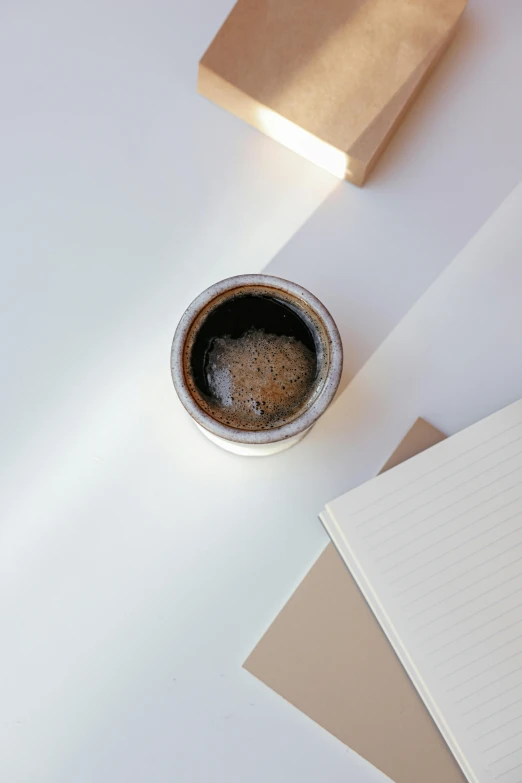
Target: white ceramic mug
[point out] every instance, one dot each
(327, 347)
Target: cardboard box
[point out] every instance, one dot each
(330, 79)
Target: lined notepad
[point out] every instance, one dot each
(436, 547)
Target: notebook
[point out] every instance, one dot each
(435, 546)
(326, 654)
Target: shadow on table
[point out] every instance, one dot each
(369, 253)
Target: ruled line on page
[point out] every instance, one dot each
(502, 742)
(446, 551)
(480, 611)
(498, 695)
(468, 587)
(444, 464)
(507, 627)
(454, 519)
(487, 561)
(507, 772)
(404, 530)
(481, 657)
(492, 731)
(391, 522)
(452, 565)
(476, 628)
(507, 755)
(475, 676)
(456, 608)
(503, 709)
(466, 557)
(461, 576)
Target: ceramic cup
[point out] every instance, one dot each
(197, 325)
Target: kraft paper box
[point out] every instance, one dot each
(326, 654)
(330, 79)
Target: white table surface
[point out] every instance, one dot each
(131, 590)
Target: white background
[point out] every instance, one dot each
(132, 589)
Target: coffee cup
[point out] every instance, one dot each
(256, 360)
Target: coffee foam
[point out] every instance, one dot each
(258, 380)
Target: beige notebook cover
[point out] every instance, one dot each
(370, 704)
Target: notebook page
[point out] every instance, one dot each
(436, 547)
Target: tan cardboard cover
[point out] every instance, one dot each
(337, 73)
(326, 654)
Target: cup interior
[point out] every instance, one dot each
(244, 311)
(231, 310)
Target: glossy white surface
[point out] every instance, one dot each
(131, 591)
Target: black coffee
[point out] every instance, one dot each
(254, 361)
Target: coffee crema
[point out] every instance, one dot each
(253, 362)
(258, 380)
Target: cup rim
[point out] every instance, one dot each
(276, 434)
